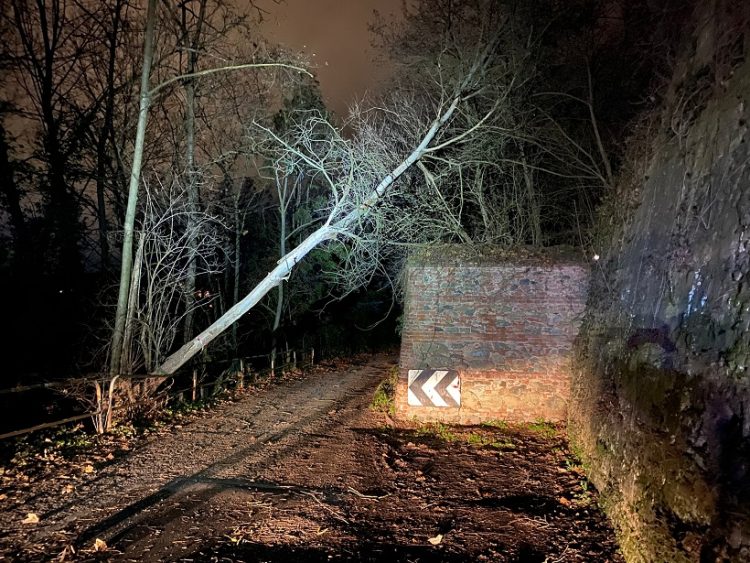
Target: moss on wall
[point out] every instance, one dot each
(661, 389)
(463, 255)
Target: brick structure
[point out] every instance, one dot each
(504, 322)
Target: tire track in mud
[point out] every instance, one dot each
(152, 492)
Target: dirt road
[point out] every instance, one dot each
(304, 471)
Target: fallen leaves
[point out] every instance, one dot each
(436, 540)
(31, 518)
(68, 551)
(100, 545)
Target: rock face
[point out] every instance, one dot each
(503, 322)
(660, 409)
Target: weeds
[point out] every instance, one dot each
(478, 440)
(383, 401)
(189, 407)
(496, 423)
(504, 445)
(574, 466)
(439, 430)
(544, 429)
(584, 496)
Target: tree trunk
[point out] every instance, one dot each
(238, 226)
(104, 134)
(282, 252)
(135, 174)
(126, 361)
(192, 184)
(12, 195)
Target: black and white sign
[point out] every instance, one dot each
(434, 388)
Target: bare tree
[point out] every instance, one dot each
(357, 180)
(171, 235)
(516, 183)
(192, 47)
(103, 132)
(50, 59)
(10, 196)
(146, 96)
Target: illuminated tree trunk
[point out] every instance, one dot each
(116, 351)
(327, 232)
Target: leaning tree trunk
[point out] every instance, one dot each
(327, 232)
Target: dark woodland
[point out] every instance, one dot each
(185, 225)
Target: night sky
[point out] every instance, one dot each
(335, 37)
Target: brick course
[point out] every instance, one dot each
(506, 322)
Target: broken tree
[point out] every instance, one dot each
(347, 210)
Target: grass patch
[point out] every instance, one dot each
(496, 423)
(383, 400)
(438, 430)
(477, 439)
(544, 429)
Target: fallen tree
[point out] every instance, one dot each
(351, 203)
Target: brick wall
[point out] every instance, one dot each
(504, 321)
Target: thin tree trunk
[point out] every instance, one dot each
(192, 184)
(534, 215)
(282, 252)
(104, 134)
(135, 174)
(192, 193)
(237, 249)
(126, 362)
(11, 193)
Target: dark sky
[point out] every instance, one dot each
(334, 35)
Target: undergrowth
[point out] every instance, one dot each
(383, 400)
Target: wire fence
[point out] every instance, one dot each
(238, 374)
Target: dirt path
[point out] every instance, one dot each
(304, 471)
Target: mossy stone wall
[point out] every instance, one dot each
(661, 391)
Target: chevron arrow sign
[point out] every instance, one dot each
(434, 388)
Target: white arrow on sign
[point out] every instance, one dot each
(434, 388)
